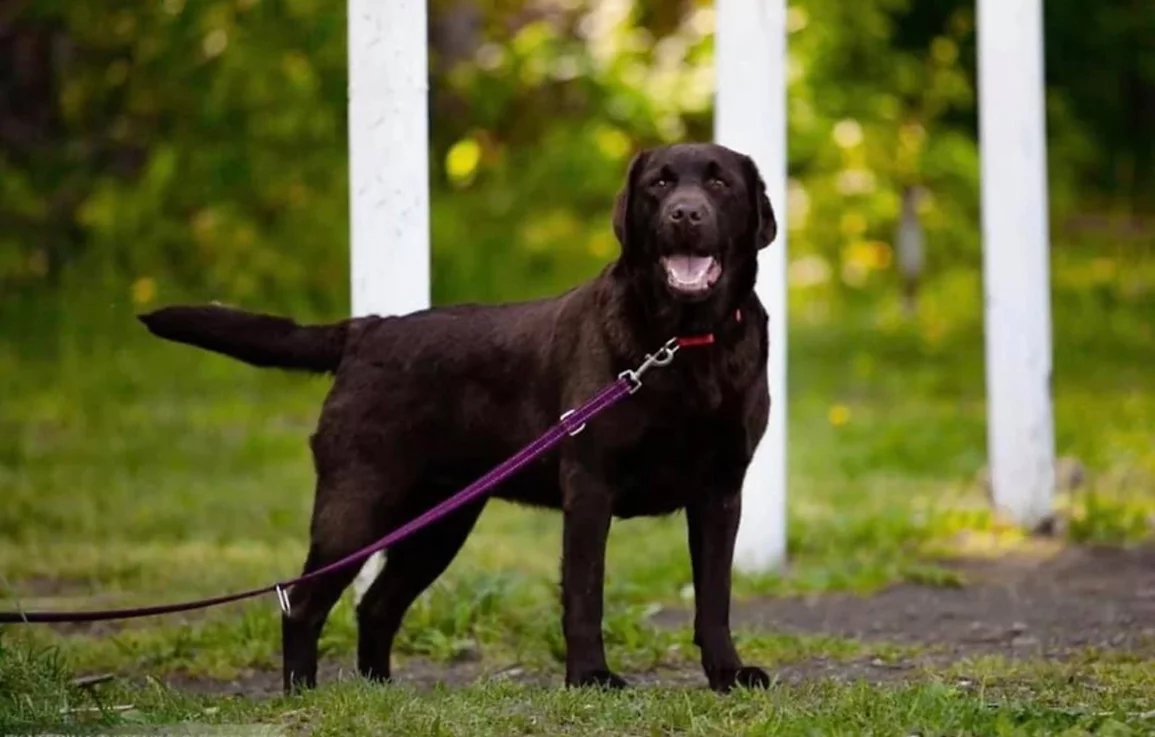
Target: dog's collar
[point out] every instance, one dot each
(695, 341)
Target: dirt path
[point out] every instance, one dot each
(1020, 607)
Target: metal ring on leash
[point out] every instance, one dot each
(283, 600)
(566, 415)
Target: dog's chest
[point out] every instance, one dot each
(669, 467)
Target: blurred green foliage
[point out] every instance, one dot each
(153, 150)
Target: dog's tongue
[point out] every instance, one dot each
(689, 269)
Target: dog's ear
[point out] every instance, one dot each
(765, 226)
(622, 201)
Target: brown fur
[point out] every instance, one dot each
(425, 403)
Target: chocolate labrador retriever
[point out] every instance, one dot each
(425, 403)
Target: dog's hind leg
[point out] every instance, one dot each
(310, 603)
(410, 567)
(343, 522)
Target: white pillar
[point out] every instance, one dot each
(1020, 433)
(388, 166)
(750, 117)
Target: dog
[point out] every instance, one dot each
(423, 404)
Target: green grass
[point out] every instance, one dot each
(1002, 699)
(135, 471)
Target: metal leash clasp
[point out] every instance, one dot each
(662, 357)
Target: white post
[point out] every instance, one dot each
(750, 117)
(388, 167)
(1020, 434)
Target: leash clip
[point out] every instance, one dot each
(662, 357)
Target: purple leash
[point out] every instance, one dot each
(571, 423)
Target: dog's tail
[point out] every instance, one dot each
(260, 340)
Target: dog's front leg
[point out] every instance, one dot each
(588, 510)
(713, 526)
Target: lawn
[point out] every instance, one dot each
(135, 471)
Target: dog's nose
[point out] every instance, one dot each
(685, 212)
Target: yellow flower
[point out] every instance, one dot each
(462, 161)
(839, 415)
(143, 291)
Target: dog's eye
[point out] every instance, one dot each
(662, 183)
(717, 183)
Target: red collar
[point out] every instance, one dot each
(694, 341)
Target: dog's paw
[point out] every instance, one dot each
(752, 677)
(603, 679)
(745, 677)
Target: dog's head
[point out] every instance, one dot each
(691, 219)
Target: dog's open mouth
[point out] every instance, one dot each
(691, 274)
